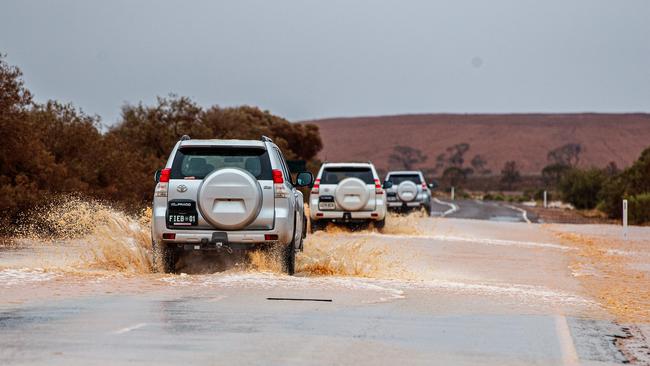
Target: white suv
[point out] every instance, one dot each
(408, 189)
(347, 192)
(227, 195)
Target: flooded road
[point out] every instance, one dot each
(424, 291)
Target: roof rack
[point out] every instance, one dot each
(266, 139)
(185, 138)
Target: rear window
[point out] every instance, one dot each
(396, 179)
(335, 175)
(197, 162)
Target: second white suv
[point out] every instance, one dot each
(347, 193)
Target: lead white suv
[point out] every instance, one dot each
(227, 195)
(347, 192)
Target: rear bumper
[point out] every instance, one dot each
(398, 204)
(283, 228)
(348, 216)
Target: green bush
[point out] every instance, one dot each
(632, 182)
(582, 187)
(639, 208)
(494, 197)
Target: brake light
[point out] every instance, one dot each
(163, 183)
(424, 185)
(169, 236)
(270, 237)
(278, 180)
(378, 189)
(164, 175)
(277, 176)
(316, 186)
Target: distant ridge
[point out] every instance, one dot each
(524, 138)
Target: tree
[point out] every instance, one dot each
(567, 155)
(406, 157)
(456, 176)
(553, 173)
(631, 182)
(581, 187)
(457, 153)
(479, 164)
(510, 174)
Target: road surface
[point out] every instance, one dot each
(425, 291)
(482, 210)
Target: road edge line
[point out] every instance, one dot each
(524, 213)
(567, 347)
(453, 208)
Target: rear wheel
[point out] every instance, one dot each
(289, 259)
(315, 226)
(165, 257)
(380, 223)
(427, 208)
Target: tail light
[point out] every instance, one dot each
(169, 236)
(316, 186)
(163, 183)
(278, 184)
(424, 185)
(378, 189)
(278, 176)
(164, 175)
(269, 237)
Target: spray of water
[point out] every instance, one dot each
(72, 234)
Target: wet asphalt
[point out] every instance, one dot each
(489, 292)
(481, 210)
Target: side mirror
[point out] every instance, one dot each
(433, 185)
(304, 179)
(388, 184)
(156, 176)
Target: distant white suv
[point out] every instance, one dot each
(408, 189)
(347, 193)
(227, 195)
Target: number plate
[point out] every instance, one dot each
(326, 206)
(181, 219)
(182, 213)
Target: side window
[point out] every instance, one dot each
(285, 169)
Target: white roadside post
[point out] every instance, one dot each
(452, 193)
(545, 199)
(624, 219)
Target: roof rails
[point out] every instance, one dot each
(266, 139)
(185, 138)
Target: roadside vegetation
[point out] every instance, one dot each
(594, 191)
(53, 149)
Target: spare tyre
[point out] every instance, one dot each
(407, 191)
(351, 194)
(230, 198)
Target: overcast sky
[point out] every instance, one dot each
(309, 59)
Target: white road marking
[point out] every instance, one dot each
(569, 354)
(128, 329)
(453, 206)
(524, 214)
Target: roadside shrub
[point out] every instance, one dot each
(494, 197)
(581, 187)
(633, 181)
(639, 208)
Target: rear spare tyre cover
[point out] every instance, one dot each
(230, 198)
(407, 191)
(351, 194)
